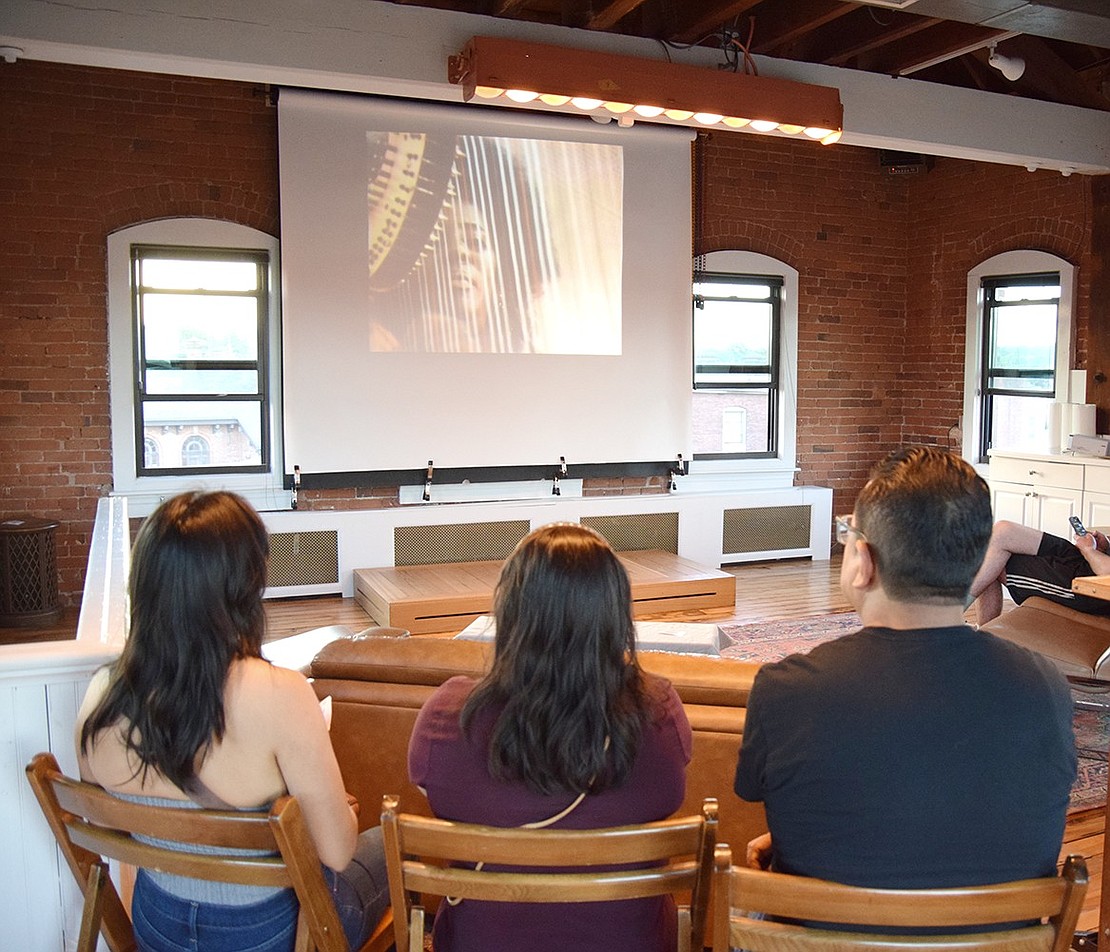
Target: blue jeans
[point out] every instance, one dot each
(166, 923)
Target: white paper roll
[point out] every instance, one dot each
(1081, 419)
(1057, 438)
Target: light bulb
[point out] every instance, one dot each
(618, 107)
(521, 95)
(789, 128)
(764, 125)
(552, 99)
(488, 92)
(648, 112)
(734, 122)
(707, 118)
(678, 115)
(816, 133)
(832, 137)
(583, 103)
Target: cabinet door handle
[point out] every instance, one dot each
(1034, 472)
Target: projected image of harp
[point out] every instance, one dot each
(481, 244)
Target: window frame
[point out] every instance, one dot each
(1013, 264)
(743, 472)
(261, 485)
(989, 370)
(142, 396)
(771, 387)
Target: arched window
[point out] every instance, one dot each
(1019, 352)
(745, 365)
(150, 452)
(195, 451)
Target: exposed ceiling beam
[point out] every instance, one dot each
(939, 43)
(611, 13)
(870, 40)
(784, 24)
(702, 22)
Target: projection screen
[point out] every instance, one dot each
(480, 288)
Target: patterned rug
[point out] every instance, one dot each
(771, 641)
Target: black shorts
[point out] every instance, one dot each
(1049, 574)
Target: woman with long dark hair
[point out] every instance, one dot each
(191, 715)
(565, 730)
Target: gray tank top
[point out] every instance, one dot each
(199, 890)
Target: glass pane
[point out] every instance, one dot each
(710, 380)
(1027, 292)
(202, 381)
(1024, 337)
(732, 332)
(734, 422)
(183, 274)
(726, 286)
(182, 327)
(232, 433)
(1001, 381)
(1021, 423)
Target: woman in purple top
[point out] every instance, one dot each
(564, 719)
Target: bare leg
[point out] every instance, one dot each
(1007, 538)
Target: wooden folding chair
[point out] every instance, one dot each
(1051, 905)
(420, 852)
(91, 826)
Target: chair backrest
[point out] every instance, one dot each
(1042, 913)
(420, 852)
(91, 826)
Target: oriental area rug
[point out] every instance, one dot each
(773, 640)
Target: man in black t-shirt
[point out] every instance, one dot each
(917, 752)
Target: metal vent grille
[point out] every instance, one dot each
(634, 531)
(467, 542)
(765, 530)
(303, 558)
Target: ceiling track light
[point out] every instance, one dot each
(631, 88)
(1012, 67)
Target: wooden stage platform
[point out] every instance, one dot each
(433, 599)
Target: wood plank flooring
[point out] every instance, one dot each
(765, 591)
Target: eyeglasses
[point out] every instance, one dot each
(844, 528)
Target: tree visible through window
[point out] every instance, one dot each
(200, 375)
(736, 365)
(1018, 377)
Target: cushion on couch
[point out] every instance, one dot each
(1077, 643)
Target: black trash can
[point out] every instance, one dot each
(28, 573)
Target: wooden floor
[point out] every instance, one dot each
(765, 591)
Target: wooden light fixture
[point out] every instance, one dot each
(628, 87)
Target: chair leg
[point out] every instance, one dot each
(94, 908)
(303, 940)
(684, 927)
(416, 930)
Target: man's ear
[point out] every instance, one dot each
(864, 575)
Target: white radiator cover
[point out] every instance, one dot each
(365, 538)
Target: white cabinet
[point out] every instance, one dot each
(1045, 491)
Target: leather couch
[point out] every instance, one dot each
(378, 685)
(1077, 643)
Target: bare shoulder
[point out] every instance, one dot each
(266, 689)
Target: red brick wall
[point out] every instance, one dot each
(963, 213)
(83, 153)
(882, 261)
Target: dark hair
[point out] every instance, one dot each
(564, 667)
(198, 570)
(926, 515)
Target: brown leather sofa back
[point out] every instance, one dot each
(378, 685)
